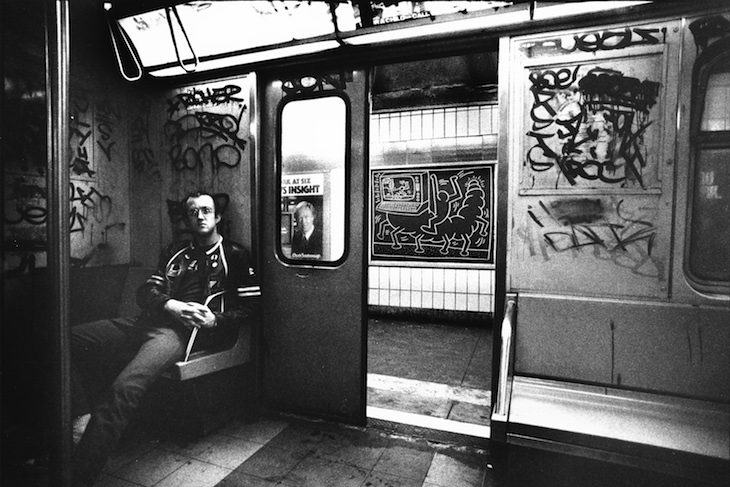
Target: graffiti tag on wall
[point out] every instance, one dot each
(605, 228)
(597, 40)
(588, 126)
(433, 214)
(204, 128)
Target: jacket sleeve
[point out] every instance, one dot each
(242, 292)
(152, 295)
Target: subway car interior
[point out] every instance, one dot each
(486, 243)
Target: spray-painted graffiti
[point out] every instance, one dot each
(590, 125)
(25, 205)
(87, 203)
(80, 130)
(198, 97)
(438, 214)
(594, 41)
(605, 227)
(141, 153)
(178, 213)
(106, 118)
(222, 144)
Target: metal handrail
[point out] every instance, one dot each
(174, 40)
(130, 49)
(501, 405)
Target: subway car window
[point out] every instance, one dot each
(313, 175)
(709, 233)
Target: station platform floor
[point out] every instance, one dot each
(438, 371)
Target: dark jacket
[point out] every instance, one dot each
(227, 276)
(308, 248)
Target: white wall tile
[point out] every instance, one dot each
(473, 121)
(384, 298)
(373, 296)
(472, 302)
(394, 280)
(450, 301)
(373, 277)
(384, 128)
(449, 280)
(405, 278)
(416, 299)
(416, 125)
(394, 127)
(461, 280)
(394, 299)
(485, 281)
(438, 123)
(438, 300)
(427, 279)
(472, 281)
(427, 124)
(462, 301)
(405, 126)
(405, 298)
(416, 274)
(485, 303)
(427, 300)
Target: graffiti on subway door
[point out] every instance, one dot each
(605, 228)
(433, 214)
(589, 126)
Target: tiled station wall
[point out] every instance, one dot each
(432, 288)
(433, 135)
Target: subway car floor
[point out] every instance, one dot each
(288, 451)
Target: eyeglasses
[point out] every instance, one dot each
(206, 211)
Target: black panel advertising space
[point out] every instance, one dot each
(433, 214)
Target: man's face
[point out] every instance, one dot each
(201, 215)
(306, 219)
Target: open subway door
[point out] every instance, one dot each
(312, 181)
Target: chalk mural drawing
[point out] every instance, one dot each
(588, 126)
(605, 228)
(442, 214)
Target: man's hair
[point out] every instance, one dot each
(198, 193)
(304, 205)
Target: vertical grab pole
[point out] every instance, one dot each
(57, 105)
(500, 413)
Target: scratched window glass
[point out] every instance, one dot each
(313, 197)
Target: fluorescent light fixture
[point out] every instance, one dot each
(252, 57)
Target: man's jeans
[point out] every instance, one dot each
(113, 364)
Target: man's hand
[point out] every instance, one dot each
(191, 314)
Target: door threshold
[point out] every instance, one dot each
(428, 422)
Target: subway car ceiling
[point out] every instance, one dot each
(168, 39)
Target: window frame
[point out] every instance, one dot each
(701, 140)
(278, 251)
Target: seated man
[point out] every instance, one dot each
(114, 362)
